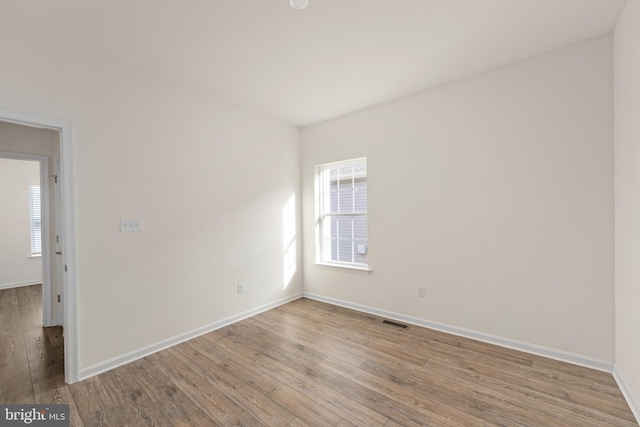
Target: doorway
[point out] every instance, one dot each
(16, 168)
(58, 248)
(30, 332)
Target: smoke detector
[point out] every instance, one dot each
(299, 4)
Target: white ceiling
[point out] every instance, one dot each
(307, 66)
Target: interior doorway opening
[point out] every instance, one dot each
(39, 146)
(59, 293)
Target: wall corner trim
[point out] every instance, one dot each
(123, 359)
(625, 392)
(559, 355)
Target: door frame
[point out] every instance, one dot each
(71, 304)
(57, 223)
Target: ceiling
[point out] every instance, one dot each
(306, 66)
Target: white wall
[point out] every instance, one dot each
(209, 180)
(17, 268)
(494, 192)
(627, 201)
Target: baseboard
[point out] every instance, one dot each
(19, 284)
(107, 365)
(625, 392)
(574, 359)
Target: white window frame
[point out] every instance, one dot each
(323, 251)
(35, 220)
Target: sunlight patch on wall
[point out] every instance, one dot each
(289, 239)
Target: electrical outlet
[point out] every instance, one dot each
(240, 288)
(422, 291)
(130, 225)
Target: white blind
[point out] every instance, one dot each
(343, 212)
(36, 221)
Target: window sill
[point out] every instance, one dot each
(344, 267)
(36, 256)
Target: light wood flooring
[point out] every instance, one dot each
(311, 364)
(31, 357)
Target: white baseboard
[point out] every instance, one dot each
(562, 356)
(625, 392)
(19, 284)
(107, 365)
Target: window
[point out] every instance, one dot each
(36, 223)
(342, 213)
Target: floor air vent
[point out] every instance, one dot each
(396, 324)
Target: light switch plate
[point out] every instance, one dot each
(130, 225)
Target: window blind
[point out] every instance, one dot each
(36, 221)
(343, 212)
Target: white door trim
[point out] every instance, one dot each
(47, 315)
(69, 231)
(59, 243)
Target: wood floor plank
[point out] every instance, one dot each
(405, 392)
(95, 405)
(45, 359)
(221, 409)
(10, 323)
(194, 419)
(363, 395)
(18, 389)
(13, 356)
(29, 353)
(55, 391)
(299, 423)
(326, 327)
(166, 395)
(304, 407)
(462, 393)
(131, 400)
(52, 383)
(243, 362)
(334, 400)
(566, 405)
(486, 400)
(267, 343)
(563, 393)
(211, 348)
(244, 368)
(307, 363)
(250, 399)
(353, 353)
(24, 295)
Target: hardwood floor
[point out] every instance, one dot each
(31, 357)
(311, 364)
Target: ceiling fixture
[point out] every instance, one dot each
(299, 4)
